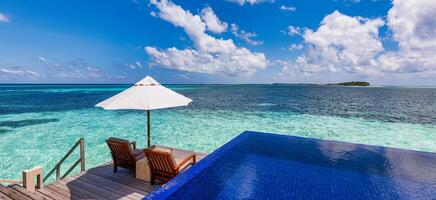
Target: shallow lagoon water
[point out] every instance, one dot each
(39, 123)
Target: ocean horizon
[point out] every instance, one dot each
(169, 84)
(40, 122)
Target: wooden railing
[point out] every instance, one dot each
(81, 160)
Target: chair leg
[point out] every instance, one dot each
(115, 168)
(152, 180)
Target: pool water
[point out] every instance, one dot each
(269, 166)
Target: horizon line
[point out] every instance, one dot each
(319, 84)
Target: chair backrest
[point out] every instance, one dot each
(161, 161)
(121, 150)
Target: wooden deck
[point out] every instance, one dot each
(97, 183)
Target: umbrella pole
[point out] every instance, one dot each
(148, 128)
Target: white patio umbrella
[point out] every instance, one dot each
(147, 95)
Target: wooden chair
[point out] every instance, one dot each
(163, 164)
(124, 154)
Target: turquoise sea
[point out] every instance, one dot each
(39, 123)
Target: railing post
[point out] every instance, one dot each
(82, 155)
(29, 178)
(58, 172)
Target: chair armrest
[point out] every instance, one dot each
(133, 143)
(189, 157)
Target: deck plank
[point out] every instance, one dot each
(130, 182)
(58, 188)
(98, 188)
(13, 194)
(115, 186)
(32, 195)
(4, 196)
(53, 193)
(50, 194)
(93, 188)
(79, 189)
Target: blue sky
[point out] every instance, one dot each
(221, 41)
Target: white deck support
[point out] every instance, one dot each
(29, 178)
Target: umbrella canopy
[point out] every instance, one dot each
(147, 95)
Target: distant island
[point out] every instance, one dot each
(352, 83)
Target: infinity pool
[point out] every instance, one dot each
(268, 166)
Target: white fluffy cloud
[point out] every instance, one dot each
(42, 59)
(344, 44)
(212, 22)
(76, 69)
(413, 26)
(293, 31)
(354, 1)
(211, 55)
(17, 72)
(251, 2)
(4, 18)
(244, 35)
(136, 65)
(239, 62)
(293, 47)
(288, 8)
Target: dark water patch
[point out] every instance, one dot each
(27, 122)
(48, 102)
(18, 99)
(2, 131)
